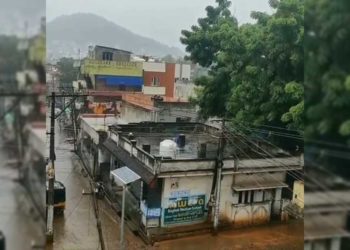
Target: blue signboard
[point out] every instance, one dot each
(114, 81)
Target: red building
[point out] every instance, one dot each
(160, 75)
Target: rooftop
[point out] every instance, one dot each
(115, 49)
(148, 101)
(166, 148)
(100, 122)
(196, 136)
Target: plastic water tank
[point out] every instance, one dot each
(167, 148)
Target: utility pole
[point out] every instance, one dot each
(219, 164)
(51, 173)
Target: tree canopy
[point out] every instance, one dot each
(256, 71)
(327, 82)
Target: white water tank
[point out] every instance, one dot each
(167, 148)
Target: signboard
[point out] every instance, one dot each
(185, 209)
(95, 67)
(153, 213)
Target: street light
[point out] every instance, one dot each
(124, 176)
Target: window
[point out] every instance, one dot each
(240, 196)
(155, 81)
(107, 56)
(250, 196)
(246, 200)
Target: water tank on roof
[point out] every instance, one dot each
(167, 148)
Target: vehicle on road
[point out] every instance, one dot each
(59, 197)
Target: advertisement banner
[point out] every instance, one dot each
(185, 210)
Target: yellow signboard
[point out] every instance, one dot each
(95, 67)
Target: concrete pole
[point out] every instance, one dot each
(51, 174)
(218, 180)
(122, 244)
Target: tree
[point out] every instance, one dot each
(256, 70)
(327, 80)
(68, 72)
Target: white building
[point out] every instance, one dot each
(176, 191)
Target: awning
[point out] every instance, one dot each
(132, 163)
(258, 186)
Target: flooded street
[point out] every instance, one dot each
(77, 228)
(268, 237)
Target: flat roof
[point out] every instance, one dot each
(105, 47)
(199, 136)
(101, 121)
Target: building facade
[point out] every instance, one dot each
(140, 108)
(109, 69)
(177, 165)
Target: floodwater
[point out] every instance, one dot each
(76, 229)
(289, 236)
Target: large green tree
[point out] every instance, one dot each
(327, 82)
(256, 70)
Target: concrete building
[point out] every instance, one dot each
(93, 128)
(159, 78)
(167, 79)
(326, 212)
(182, 72)
(177, 179)
(140, 107)
(110, 69)
(326, 219)
(103, 53)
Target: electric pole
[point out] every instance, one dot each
(51, 173)
(219, 164)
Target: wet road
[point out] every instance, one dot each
(19, 220)
(76, 229)
(269, 237)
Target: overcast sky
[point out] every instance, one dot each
(162, 20)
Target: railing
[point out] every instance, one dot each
(148, 160)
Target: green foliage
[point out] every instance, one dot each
(68, 72)
(256, 70)
(327, 73)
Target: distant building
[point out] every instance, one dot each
(168, 79)
(140, 108)
(102, 53)
(109, 69)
